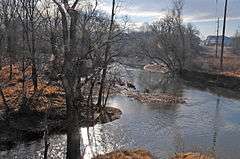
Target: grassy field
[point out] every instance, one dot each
(208, 61)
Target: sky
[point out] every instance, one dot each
(201, 13)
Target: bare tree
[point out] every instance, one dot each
(29, 15)
(106, 54)
(69, 17)
(8, 12)
(171, 42)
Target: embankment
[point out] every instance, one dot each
(212, 79)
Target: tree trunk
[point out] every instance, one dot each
(34, 68)
(7, 109)
(102, 86)
(69, 79)
(73, 134)
(46, 144)
(34, 75)
(9, 51)
(24, 105)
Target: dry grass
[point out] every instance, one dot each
(191, 155)
(126, 154)
(211, 63)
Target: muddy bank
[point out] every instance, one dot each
(211, 79)
(23, 127)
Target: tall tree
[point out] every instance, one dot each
(8, 12)
(69, 18)
(30, 16)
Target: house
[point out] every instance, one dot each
(212, 40)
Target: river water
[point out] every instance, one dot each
(208, 122)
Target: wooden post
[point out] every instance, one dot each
(223, 35)
(217, 38)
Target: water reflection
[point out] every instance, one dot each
(156, 82)
(216, 125)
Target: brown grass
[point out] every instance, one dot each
(211, 63)
(126, 154)
(191, 155)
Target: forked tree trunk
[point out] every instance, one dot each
(73, 135)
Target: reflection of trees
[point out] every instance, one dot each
(154, 82)
(157, 82)
(216, 125)
(227, 93)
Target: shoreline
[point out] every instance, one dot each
(25, 127)
(225, 80)
(145, 154)
(212, 79)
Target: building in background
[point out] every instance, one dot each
(212, 40)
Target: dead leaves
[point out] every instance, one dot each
(13, 90)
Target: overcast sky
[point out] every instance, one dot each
(201, 13)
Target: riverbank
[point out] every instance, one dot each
(144, 154)
(212, 79)
(227, 80)
(22, 126)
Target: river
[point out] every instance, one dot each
(207, 122)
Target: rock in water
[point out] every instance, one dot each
(130, 85)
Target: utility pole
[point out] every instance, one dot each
(217, 39)
(223, 35)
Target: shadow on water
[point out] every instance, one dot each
(208, 122)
